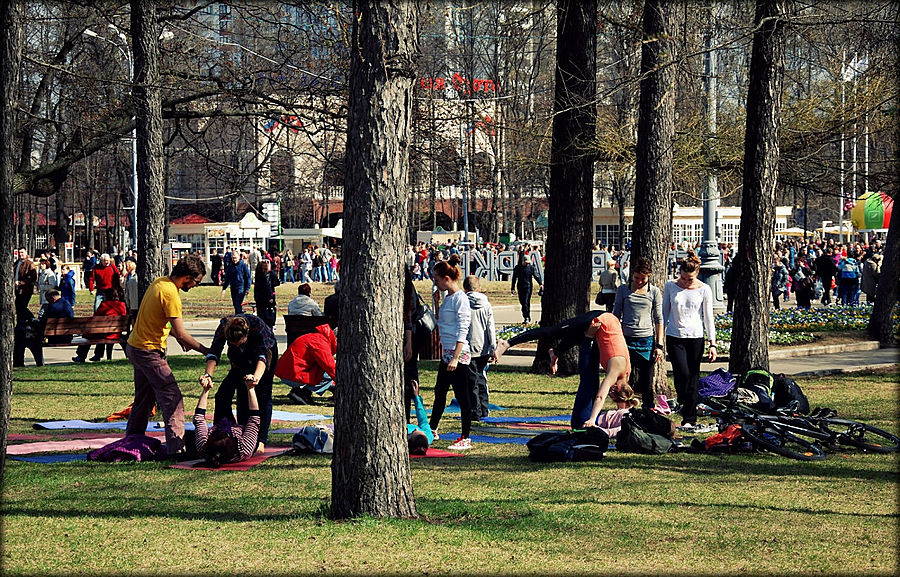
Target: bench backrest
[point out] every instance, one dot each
(296, 325)
(86, 325)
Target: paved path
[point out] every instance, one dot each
(831, 362)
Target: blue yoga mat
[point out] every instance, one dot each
(288, 416)
(453, 407)
(120, 425)
(58, 458)
(489, 439)
(526, 419)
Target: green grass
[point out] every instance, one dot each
(492, 511)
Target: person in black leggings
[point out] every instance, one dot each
(522, 274)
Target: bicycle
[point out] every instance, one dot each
(762, 430)
(827, 428)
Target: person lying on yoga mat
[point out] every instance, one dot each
(418, 437)
(226, 442)
(601, 343)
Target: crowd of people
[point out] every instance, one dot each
(640, 321)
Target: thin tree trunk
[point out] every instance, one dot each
(652, 227)
(569, 236)
(148, 119)
(11, 15)
(370, 470)
(750, 330)
(881, 323)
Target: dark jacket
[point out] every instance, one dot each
(522, 274)
(825, 267)
(237, 277)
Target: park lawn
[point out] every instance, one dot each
(492, 511)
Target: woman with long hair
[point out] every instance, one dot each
(264, 291)
(453, 326)
(253, 352)
(688, 313)
(638, 304)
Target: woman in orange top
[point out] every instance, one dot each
(601, 344)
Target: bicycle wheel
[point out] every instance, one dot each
(862, 436)
(805, 428)
(772, 438)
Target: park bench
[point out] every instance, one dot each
(87, 330)
(296, 325)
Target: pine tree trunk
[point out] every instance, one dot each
(370, 469)
(11, 15)
(567, 275)
(652, 227)
(753, 258)
(148, 101)
(881, 323)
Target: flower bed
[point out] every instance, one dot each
(826, 319)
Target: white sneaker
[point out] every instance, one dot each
(687, 428)
(461, 444)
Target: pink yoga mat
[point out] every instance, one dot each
(436, 453)
(59, 446)
(241, 466)
(81, 435)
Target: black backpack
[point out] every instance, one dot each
(755, 389)
(588, 445)
(786, 390)
(645, 431)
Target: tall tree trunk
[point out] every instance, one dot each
(61, 229)
(569, 237)
(753, 260)
(652, 228)
(881, 323)
(370, 470)
(148, 119)
(11, 15)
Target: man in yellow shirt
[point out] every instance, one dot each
(154, 383)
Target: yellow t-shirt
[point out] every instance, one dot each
(161, 302)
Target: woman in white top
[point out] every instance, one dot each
(688, 312)
(454, 317)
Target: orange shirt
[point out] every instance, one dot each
(611, 341)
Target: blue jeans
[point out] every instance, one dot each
(237, 300)
(588, 382)
(289, 274)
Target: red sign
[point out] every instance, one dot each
(460, 83)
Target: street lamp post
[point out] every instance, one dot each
(123, 48)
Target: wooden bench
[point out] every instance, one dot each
(89, 330)
(296, 325)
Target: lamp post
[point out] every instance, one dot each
(134, 176)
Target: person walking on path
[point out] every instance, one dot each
(105, 276)
(522, 274)
(688, 312)
(825, 269)
(638, 305)
(871, 273)
(609, 283)
(779, 281)
(67, 284)
(848, 279)
(46, 280)
(237, 277)
(454, 318)
(154, 383)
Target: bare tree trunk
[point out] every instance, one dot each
(148, 119)
(61, 230)
(370, 471)
(881, 323)
(569, 236)
(750, 331)
(11, 14)
(652, 228)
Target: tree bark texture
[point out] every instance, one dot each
(148, 119)
(652, 225)
(11, 14)
(567, 278)
(753, 259)
(370, 469)
(881, 323)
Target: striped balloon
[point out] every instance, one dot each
(872, 211)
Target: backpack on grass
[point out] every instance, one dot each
(785, 390)
(645, 431)
(588, 445)
(313, 439)
(755, 389)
